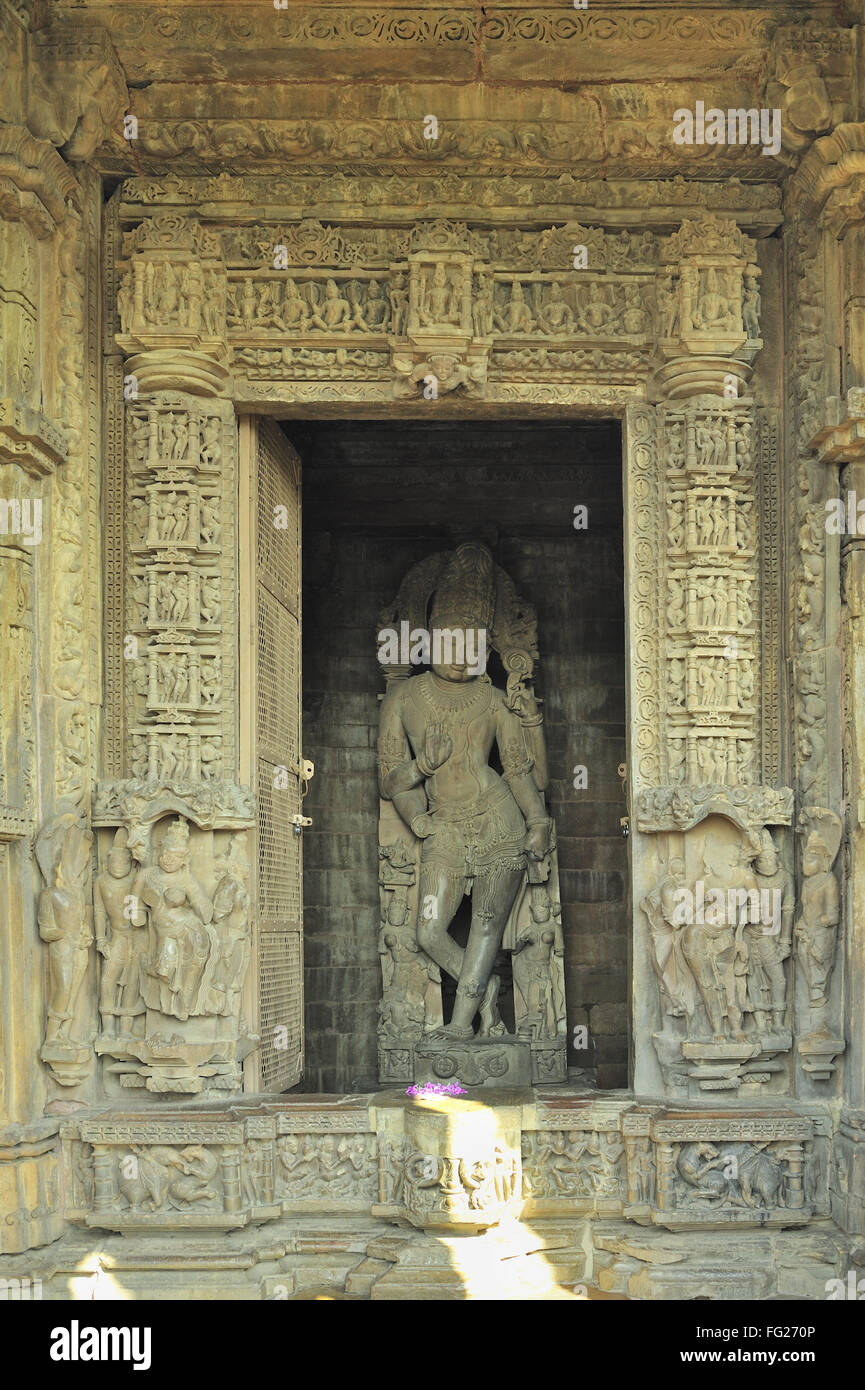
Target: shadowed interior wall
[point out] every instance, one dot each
(377, 498)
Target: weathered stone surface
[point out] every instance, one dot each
(482, 217)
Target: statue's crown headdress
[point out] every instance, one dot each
(176, 836)
(466, 592)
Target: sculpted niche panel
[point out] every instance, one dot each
(450, 826)
(172, 926)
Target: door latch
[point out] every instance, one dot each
(625, 825)
(300, 823)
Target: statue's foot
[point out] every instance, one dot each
(451, 1032)
(490, 1021)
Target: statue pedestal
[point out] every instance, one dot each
(505, 1061)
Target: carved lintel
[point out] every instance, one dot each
(214, 805)
(681, 808)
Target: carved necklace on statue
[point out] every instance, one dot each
(452, 700)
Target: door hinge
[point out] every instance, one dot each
(304, 771)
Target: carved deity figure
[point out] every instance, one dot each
(482, 307)
(295, 316)
(533, 977)
(439, 300)
(713, 947)
(634, 319)
(767, 947)
(231, 903)
(819, 909)
(751, 306)
(476, 828)
(668, 307)
(397, 293)
(119, 939)
(375, 312)
(183, 947)
(63, 854)
(714, 309)
(596, 312)
(515, 316)
(665, 927)
(555, 314)
(334, 313)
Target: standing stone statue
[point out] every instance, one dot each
(477, 828)
(63, 854)
(819, 912)
(180, 963)
(119, 940)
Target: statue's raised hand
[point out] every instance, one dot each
(437, 747)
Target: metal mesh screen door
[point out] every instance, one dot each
(271, 712)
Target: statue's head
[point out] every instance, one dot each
(462, 614)
(330, 289)
(174, 848)
(767, 860)
(822, 830)
(816, 856)
(119, 860)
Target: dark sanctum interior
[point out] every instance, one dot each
(378, 497)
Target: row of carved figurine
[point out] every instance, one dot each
(708, 1176)
(439, 296)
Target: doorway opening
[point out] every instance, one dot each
(378, 497)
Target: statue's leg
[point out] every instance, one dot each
(441, 892)
(492, 899)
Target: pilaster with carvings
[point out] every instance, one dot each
(173, 966)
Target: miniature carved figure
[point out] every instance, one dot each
(819, 911)
(119, 918)
(63, 854)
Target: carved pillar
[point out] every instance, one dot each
(711, 1006)
(171, 744)
(840, 443)
(44, 753)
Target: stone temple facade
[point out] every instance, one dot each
(560, 313)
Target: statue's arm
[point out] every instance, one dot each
(101, 919)
(517, 766)
(199, 899)
(401, 777)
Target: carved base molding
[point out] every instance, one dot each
(372, 1196)
(442, 1162)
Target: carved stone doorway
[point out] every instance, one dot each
(378, 496)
